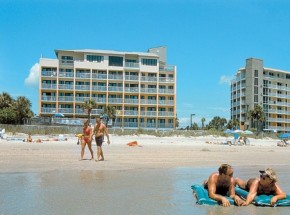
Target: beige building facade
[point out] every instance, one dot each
(140, 85)
(270, 88)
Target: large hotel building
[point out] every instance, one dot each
(267, 87)
(140, 85)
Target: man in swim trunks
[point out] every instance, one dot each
(266, 184)
(99, 131)
(221, 184)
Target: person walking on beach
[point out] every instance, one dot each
(99, 131)
(266, 184)
(221, 184)
(87, 140)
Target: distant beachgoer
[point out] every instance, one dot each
(221, 184)
(266, 184)
(99, 131)
(87, 140)
(29, 138)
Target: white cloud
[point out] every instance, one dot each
(33, 77)
(226, 79)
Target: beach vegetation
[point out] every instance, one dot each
(257, 118)
(89, 105)
(217, 123)
(13, 111)
(202, 122)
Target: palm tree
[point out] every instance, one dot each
(5, 100)
(202, 122)
(110, 111)
(257, 117)
(233, 123)
(89, 105)
(22, 107)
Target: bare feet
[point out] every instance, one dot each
(101, 159)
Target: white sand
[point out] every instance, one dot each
(154, 152)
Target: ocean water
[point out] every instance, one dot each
(144, 191)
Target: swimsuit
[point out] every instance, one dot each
(260, 190)
(99, 140)
(87, 135)
(221, 188)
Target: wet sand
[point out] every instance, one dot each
(154, 178)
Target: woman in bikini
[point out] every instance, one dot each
(266, 184)
(87, 139)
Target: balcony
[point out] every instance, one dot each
(65, 86)
(134, 65)
(148, 79)
(65, 98)
(165, 125)
(97, 111)
(131, 77)
(99, 88)
(147, 125)
(115, 77)
(165, 113)
(81, 99)
(130, 113)
(166, 91)
(131, 101)
(48, 110)
(83, 75)
(66, 62)
(48, 86)
(132, 89)
(49, 74)
(99, 76)
(148, 90)
(130, 124)
(99, 100)
(66, 110)
(82, 87)
(166, 80)
(165, 102)
(115, 89)
(48, 98)
(148, 113)
(66, 75)
(115, 100)
(148, 101)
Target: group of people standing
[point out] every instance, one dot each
(222, 183)
(99, 131)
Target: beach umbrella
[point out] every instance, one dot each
(238, 131)
(58, 115)
(284, 136)
(247, 132)
(228, 131)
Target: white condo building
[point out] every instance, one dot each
(140, 85)
(270, 88)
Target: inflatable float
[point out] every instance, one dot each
(263, 200)
(202, 197)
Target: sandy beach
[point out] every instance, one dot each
(152, 178)
(151, 152)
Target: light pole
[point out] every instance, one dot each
(191, 115)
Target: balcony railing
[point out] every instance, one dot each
(132, 89)
(48, 86)
(169, 68)
(66, 110)
(131, 101)
(99, 88)
(148, 90)
(132, 65)
(166, 80)
(165, 113)
(115, 89)
(166, 102)
(166, 91)
(148, 113)
(148, 101)
(149, 79)
(130, 112)
(131, 77)
(66, 86)
(48, 110)
(99, 76)
(48, 98)
(82, 87)
(82, 99)
(115, 100)
(83, 75)
(99, 100)
(65, 98)
(49, 73)
(165, 125)
(116, 77)
(130, 124)
(66, 74)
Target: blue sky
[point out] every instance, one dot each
(208, 41)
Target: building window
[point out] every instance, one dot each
(256, 73)
(149, 62)
(256, 82)
(96, 58)
(287, 76)
(115, 61)
(255, 98)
